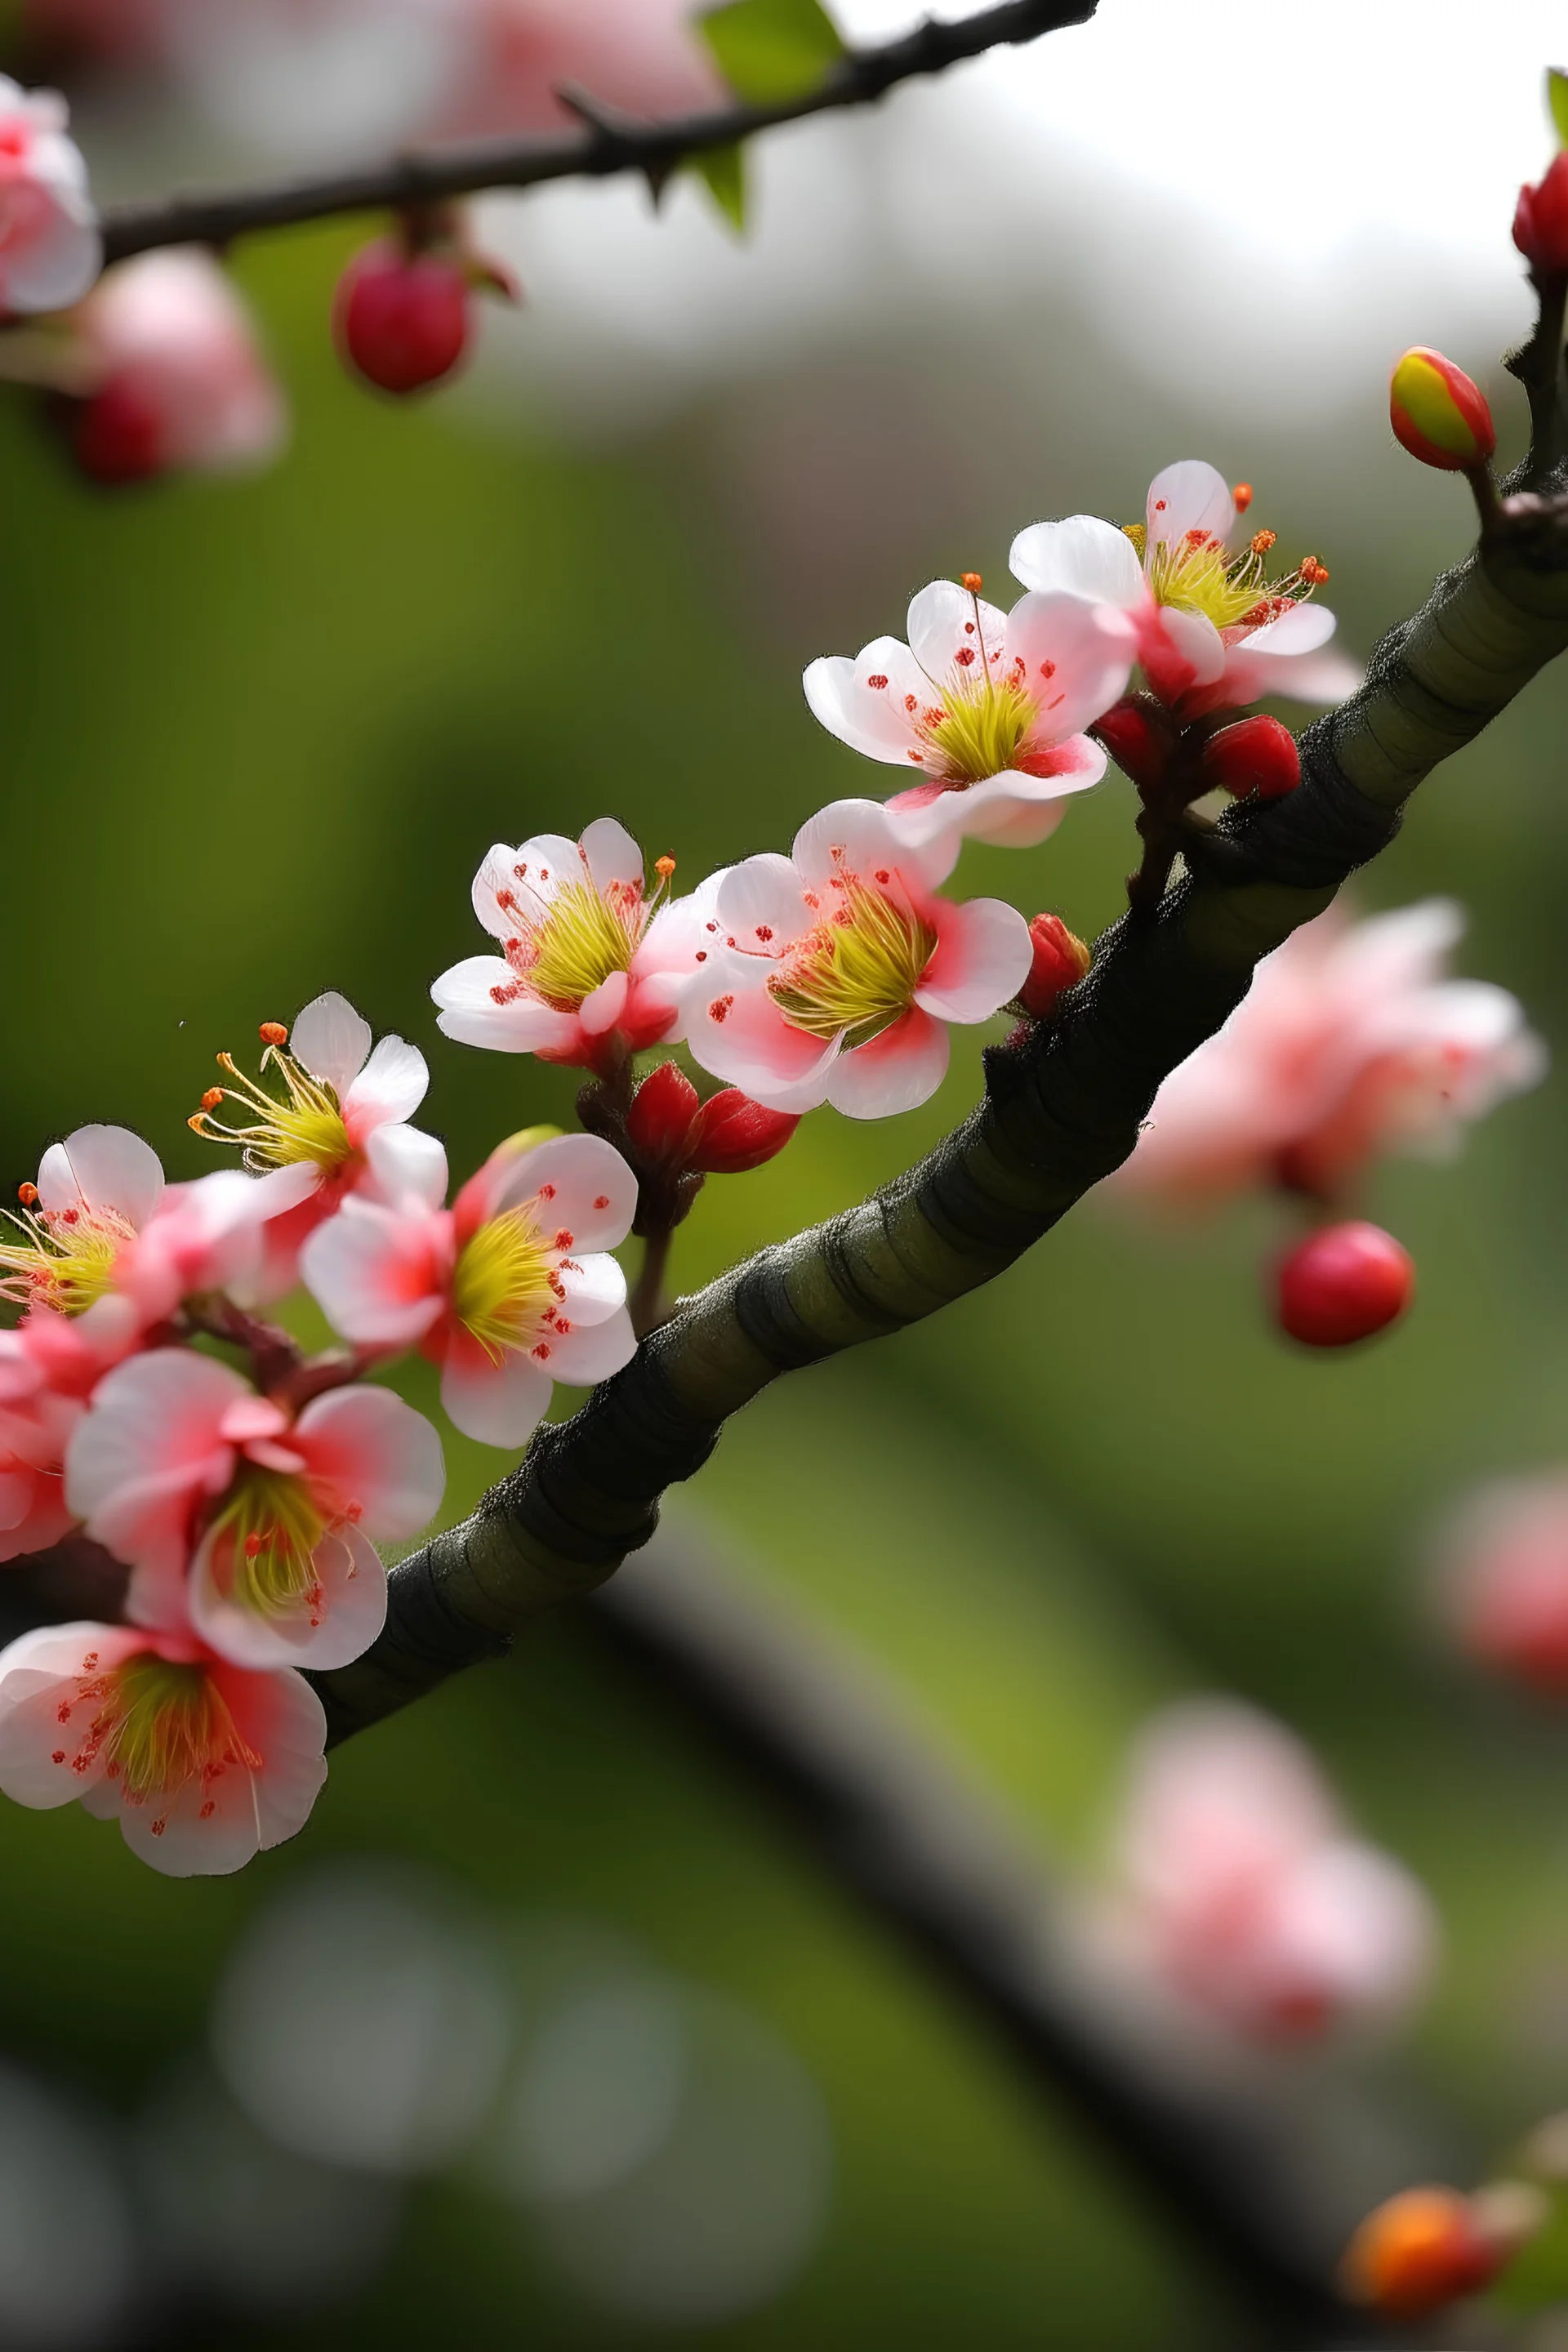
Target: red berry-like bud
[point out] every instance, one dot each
(1060, 961)
(1438, 414)
(1257, 755)
(660, 1120)
(402, 320)
(1420, 2250)
(733, 1133)
(1342, 1284)
(1136, 740)
(1540, 222)
(117, 435)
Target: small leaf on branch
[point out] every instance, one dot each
(723, 168)
(771, 51)
(1557, 101)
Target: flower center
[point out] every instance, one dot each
(68, 1258)
(586, 935)
(976, 729)
(857, 972)
(162, 1725)
(305, 1123)
(264, 1541)
(504, 1287)
(1195, 573)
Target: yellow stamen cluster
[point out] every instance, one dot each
(306, 1123)
(503, 1286)
(1195, 573)
(263, 1542)
(858, 970)
(67, 1259)
(585, 936)
(976, 730)
(163, 1726)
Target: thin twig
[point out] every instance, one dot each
(610, 146)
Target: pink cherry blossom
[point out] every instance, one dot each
(37, 1419)
(173, 372)
(1504, 1562)
(1242, 1891)
(1212, 629)
(642, 55)
(205, 1762)
(1350, 1042)
(832, 974)
(508, 1291)
(308, 1142)
(180, 1464)
(591, 967)
(78, 1228)
(988, 709)
(50, 251)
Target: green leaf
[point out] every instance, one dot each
(724, 170)
(770, 51)
(1557, 101)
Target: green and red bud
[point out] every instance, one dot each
(1257, 755)
(1061, 959)
(1438, 415)
(1540, 222)
(1429, 2247)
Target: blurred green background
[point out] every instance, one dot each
(257, 737)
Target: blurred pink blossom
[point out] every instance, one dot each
(49, 247)
(1350, 1042)
(1504, 1558)
(1241, 1890)
(176, 380)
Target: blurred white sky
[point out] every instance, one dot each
(1271, 200)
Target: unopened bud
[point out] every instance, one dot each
(1257, 755)
(659, 1121)
(1060, 961)
(1438, 415)
(733, 1133)
(1540, 222)
(1420, 2250)
(1138, 742)
(273, 1033)
(1342, 1284)
(403, 319)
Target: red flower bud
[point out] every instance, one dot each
(1136, 740)
(1438, 414)
(659, 1121)
(1540, 222)
(1061, 959)
(1257, 755)
(1420, 2250)
(732, 1134)
(403, 319)
(117, 435)
(1342, 1284)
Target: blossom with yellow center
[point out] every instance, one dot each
(68, 1259)
(857, 972)
(263, 1543)
(159, 1726)
(504, 1285)
(305, 1123)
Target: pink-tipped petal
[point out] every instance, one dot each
(1188, 496)
(495, 1404)
(583, 1187)
(1077, 659)
(370, 1449)
(107, 1168)
(983, 954)
(332, 1041)
(896, 1071)
(602, 1008)
(376, 1276)
(469, 1011)
(407, 1169)
(388, 1090)
(1081, 556)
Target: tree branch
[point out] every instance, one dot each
(1252, 2170)
(611, 144)
(1060, 1111)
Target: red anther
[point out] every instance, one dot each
(1060, 961)
(1313, 572)
(664, 867)
(1342, 1284)
(1137, 742)
(1540, 220)
(1241, 496)
(1262, 541)
(972, 582)
(273, 1033)
(253, 1546)
(718, 1008)
(660, 1120)
(732, 1134)
(1257, 755)
(1420, 2250)
(403, 321)
(27, 1194)
(118, 435)
(212, 1098)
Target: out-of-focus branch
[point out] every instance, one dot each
(1264, 2180)
(1061, 1111)
(611, 143)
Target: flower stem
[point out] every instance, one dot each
(650, 1302)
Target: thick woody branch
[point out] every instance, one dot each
(609, 145)
(1060, 1112)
